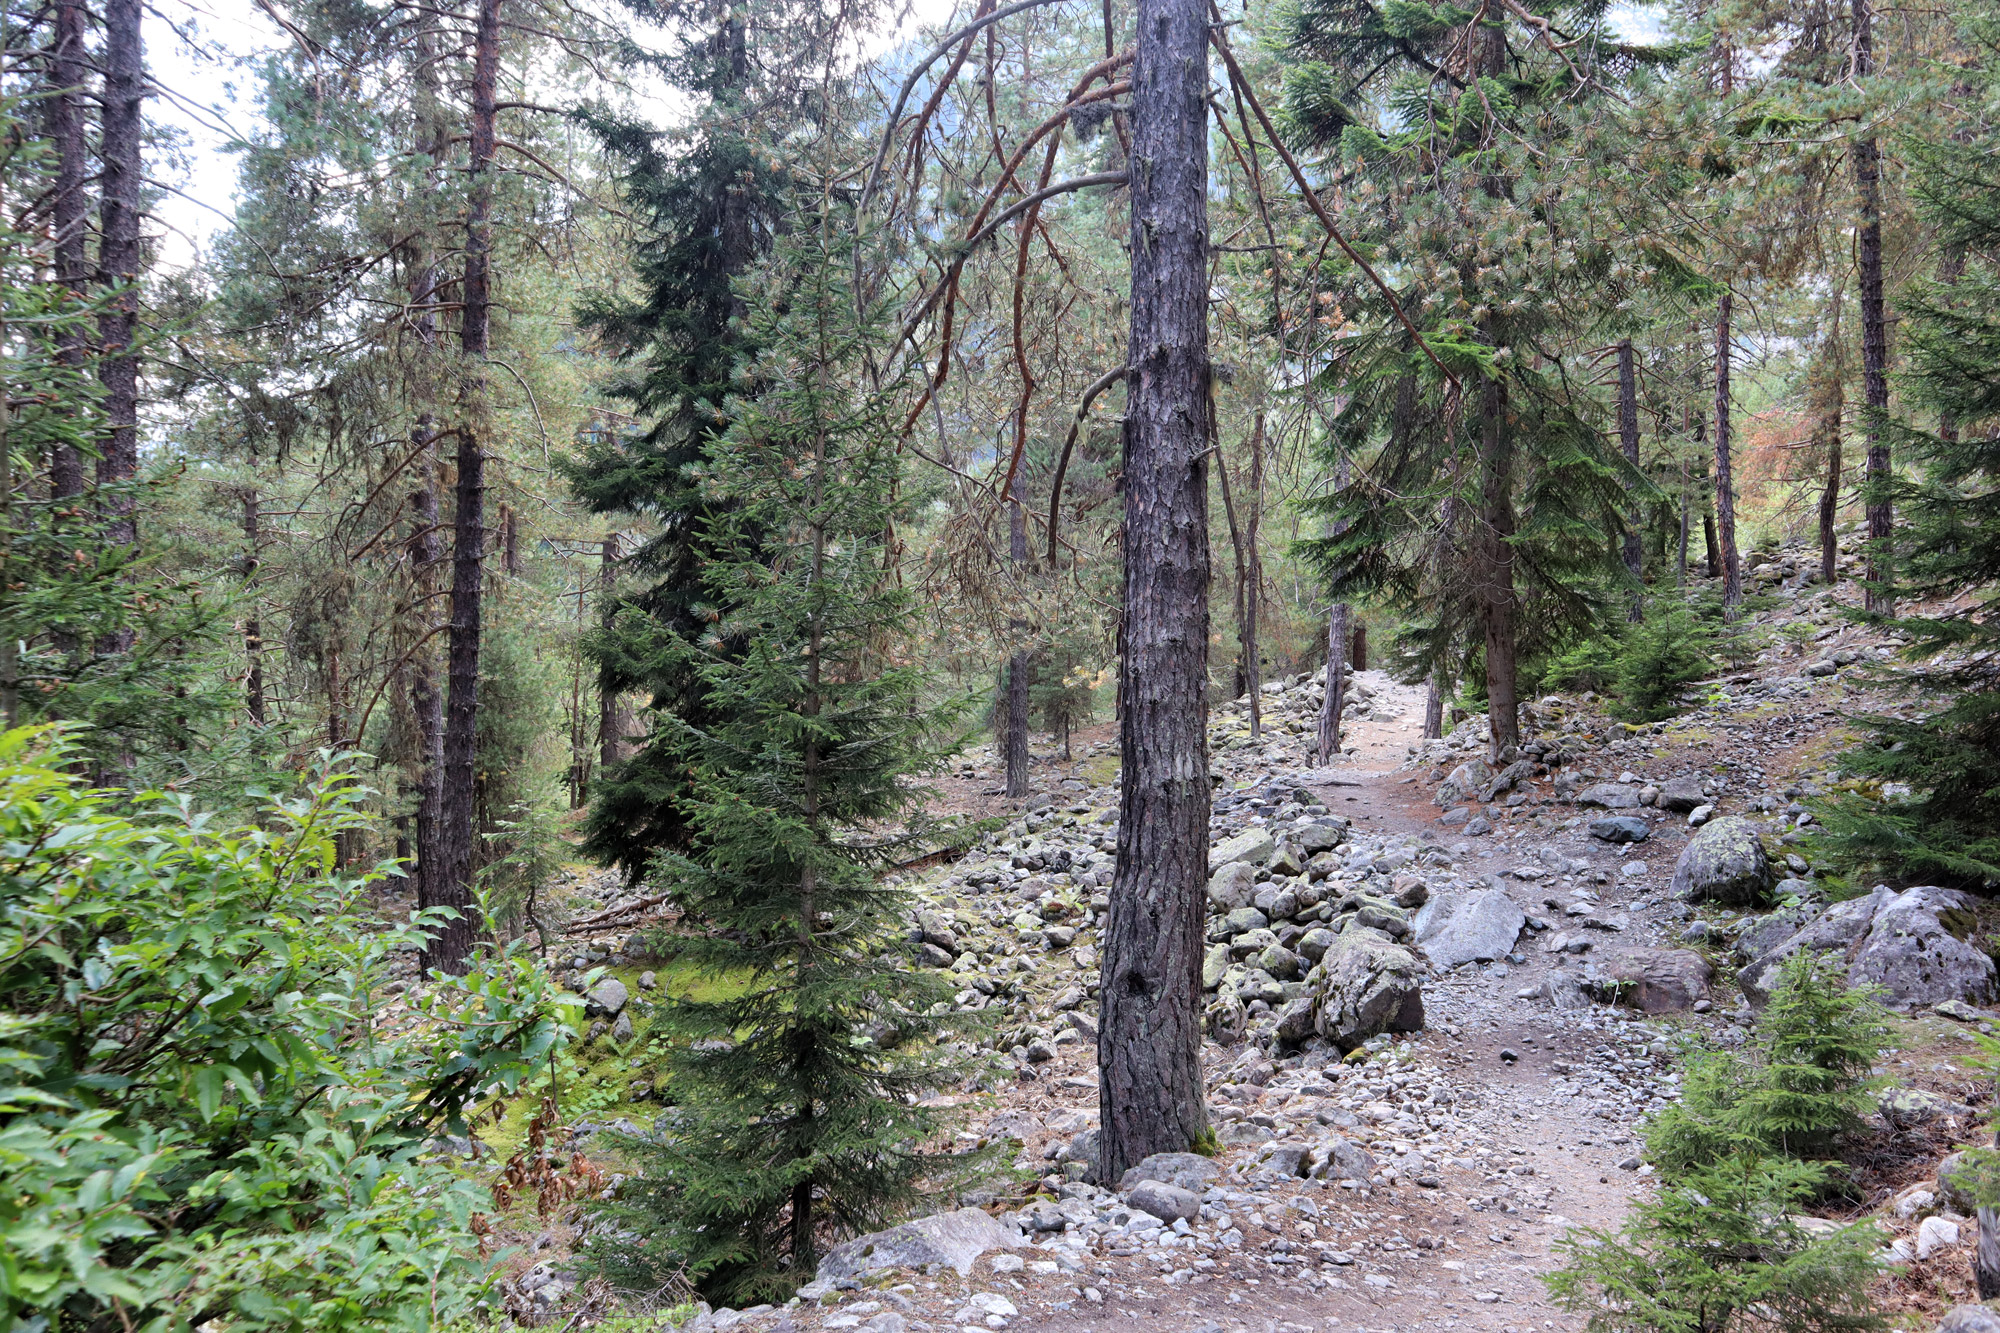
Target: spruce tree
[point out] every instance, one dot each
(1928, 804)
(795, 1117)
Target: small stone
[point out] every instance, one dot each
(647, 981)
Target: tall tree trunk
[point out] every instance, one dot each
(1682, 560)
(1986, 1254)
(1628, 435)
(118, 261)
(451, 947)
(66, 128)
(1879, 502)
(1149, 1041)
(426, 703)
(1359, 653)
(1826, 404)
(1433, 707)
(614, 724)
(1246, 635)
(253, 628)
(1253, 579)
(1496, 565)
(1016, 739)
(1334, 700)
(1725, 484)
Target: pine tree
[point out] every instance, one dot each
(793, 1124)
(1480, 502)
(1929, 804)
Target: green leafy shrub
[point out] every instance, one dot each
(203, 1120)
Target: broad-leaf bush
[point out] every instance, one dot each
(207, 1111)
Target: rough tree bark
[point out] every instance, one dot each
(1725, 485)
(1246, 631)
(1017, 664)
(118, 261)
(66, 124)
(1879, 503)
(1496, 565)
(1149, 1041)
(1334, 700)
(614, 723)
(1826, 403)
(451, 948)
(1253, 578)
(1628, 435)
(253, 628)
(1433, 708)
(426, 703)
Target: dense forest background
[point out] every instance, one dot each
(665, 435)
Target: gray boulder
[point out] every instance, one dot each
(1834, 930)
(1166, 1202)
(1913, 954)
(1609, 796)
(1969, 1319)
(606, 998)
(1680, 795)
(1182, 1170)
(1958, 1183)
(1322, 835)
(1252, 847)
(1480, 926)
(1620, 829)
(1232, 886)
(942, 1240)
(1366, 984)
(1334, 1158)
(1653, 981)
(1724, 862)
(1225, 1018)
(1766, 933)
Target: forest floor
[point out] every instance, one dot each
(1546, 1094)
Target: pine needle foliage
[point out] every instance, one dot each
(795, 1119)
(1927, 800)
(1804, 1084)
(1721, 1250)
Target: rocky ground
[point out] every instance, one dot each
(1506, 955)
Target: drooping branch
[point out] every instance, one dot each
(936, 54)
(1249, 95)
(1097, 386)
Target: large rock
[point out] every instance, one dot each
(606, 999)
(1231, 886)
(1334, 1158)
(1724, 862)
(1653, 981)
(1610, 796)
(1366, 984)
(1834, 930)
(1166, 1202)
(1680, 795)
(1182, 1170)
(1620, 828)
(1914, 954)
(1252, 847)
(942, 1240)
(1322, 835)
(1969, 1319)
(1478, 926)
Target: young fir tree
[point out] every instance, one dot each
(794, 1125)
(1946, 825)
(1804, 1083)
